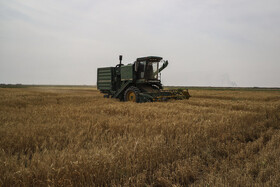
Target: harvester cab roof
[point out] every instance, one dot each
(149, 58)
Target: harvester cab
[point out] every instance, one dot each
(147, 68)
(138, 82)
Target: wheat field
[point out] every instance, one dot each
(52, 136)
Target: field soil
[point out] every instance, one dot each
(51, 136)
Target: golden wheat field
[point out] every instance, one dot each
(51, 136)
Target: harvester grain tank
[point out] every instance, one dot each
(137, 82)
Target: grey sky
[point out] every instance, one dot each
(207, 43)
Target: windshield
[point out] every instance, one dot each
(147, 70)
(152, 70)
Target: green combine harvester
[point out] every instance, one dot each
(137, 82)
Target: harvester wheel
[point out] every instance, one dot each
(132, 94)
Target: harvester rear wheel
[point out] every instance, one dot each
(132, 94)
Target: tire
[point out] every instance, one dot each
(132, 94)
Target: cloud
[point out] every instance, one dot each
(70, 39)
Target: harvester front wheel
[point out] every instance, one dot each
(132, 94)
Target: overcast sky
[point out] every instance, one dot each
(207, 43)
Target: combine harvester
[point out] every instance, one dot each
(137, 82)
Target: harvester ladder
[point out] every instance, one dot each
(123, 87)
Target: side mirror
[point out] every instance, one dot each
(164, 65)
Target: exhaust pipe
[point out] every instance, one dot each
(120, 58)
